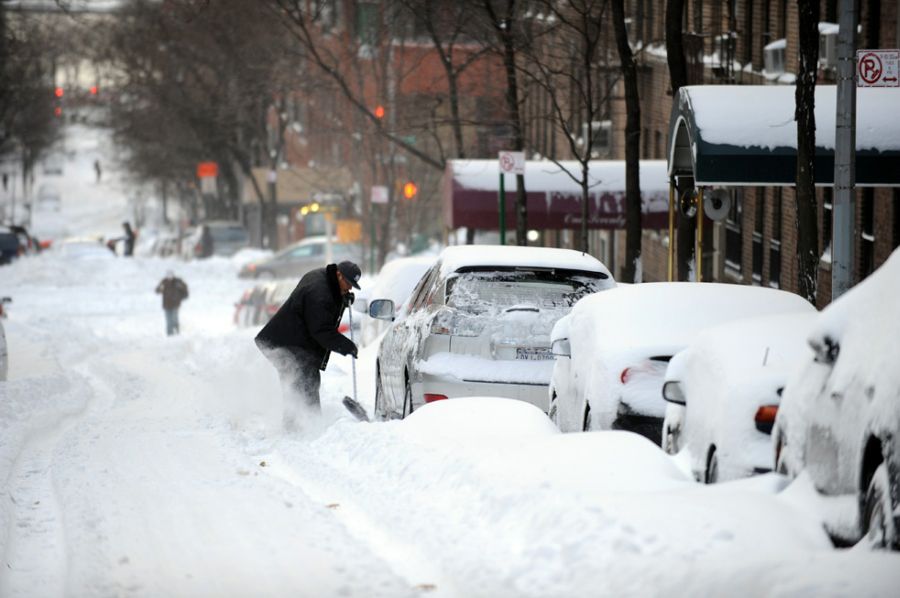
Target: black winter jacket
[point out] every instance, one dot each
(309, 319)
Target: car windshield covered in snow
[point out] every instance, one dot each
(483, 290)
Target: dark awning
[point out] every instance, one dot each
(470, 194)
(729, 135)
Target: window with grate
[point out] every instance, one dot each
(366, 22)
(758, 222)
(827, 221)
(867, 233)
(734, 235)
(775, 242)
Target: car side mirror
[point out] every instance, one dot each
(382, 309)
(561, 347)
(674, 393)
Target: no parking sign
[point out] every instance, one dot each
(878, 68)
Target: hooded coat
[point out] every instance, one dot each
(173, 290)
(307, 322)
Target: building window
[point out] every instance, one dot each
(775, 242)
(367, 22)
(827, 222)
(734, 236)
(758, 222)
(867, 233)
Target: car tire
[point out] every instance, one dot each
(712, 467)
(586, 422)
(407, 399)
(379, 411)
(670, 442)
(553, 410)
(879, 528)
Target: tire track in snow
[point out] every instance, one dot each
(405, 561)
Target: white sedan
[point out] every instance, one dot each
(724, 391)
(609, 371)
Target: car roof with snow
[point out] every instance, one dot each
(745, 348)
(453, 259)
(670, 314)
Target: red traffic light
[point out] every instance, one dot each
(58, 92)
(93, 90)
(410, 190)
(57, 111)
(379, 112)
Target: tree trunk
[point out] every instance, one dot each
(631, 272)
(678, 78)
(807, 231)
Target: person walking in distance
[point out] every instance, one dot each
(173, 291)
(97, 169)
(129, 239)
(304, 331)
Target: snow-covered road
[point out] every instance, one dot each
(134, 464)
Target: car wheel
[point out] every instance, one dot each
(380, 413)
(407, 399)
(586, 423)
(553, 411)
(670, 442)
(878, 521)
(712, 468)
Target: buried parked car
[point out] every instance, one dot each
(396, 281)
(840, 412)
(299, 258)
(613, 351)
(478, 323)
(724, 391)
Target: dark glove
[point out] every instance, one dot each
(349, 298)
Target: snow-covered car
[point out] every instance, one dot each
(724, 389)
(840, 412)
(396, 281)
(478, 324)
(228, 237)
(620, 342)
(299, 258)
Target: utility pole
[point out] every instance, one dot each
(844, 212)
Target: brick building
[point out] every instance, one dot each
(742, 42)
(755, 42)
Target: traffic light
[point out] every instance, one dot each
(58, 92)
(379, 111)
(93, 90)
(410, 190)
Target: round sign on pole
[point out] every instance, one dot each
(512, 162)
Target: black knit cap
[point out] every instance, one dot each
(351, 272)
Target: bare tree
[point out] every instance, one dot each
(505, 26)
(678, 76)
(632, 272)
(807, 231)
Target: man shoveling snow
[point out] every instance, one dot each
(303, 333)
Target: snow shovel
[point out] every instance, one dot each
(350, 403)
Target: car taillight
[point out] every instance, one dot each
(431, 398)
(623, 377)
(343, 328)
(765, 418)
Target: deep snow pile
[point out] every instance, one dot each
(136, 464)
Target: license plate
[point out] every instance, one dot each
(534, 353)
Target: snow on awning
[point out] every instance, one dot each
(470, 194)
(746, 135)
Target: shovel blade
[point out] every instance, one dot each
(355, 409)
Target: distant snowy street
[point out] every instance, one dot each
(135, 464)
